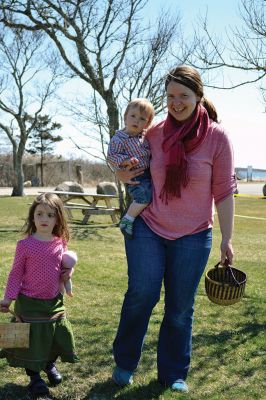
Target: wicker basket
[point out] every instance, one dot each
(225, 285)
(14, 334)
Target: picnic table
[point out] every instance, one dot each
(90, 205)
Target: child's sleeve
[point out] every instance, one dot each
(116, 153)
(16, 274)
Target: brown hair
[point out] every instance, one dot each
(189, 77)
(53, 201)
(144, 105)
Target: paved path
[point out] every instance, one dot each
(34, 191)
(254, 188)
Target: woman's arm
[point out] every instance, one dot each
(225, 211)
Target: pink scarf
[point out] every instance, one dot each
(181, 138)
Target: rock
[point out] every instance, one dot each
(27, 184)
(70, 187)
(107, 188)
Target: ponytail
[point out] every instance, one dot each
(211, 110)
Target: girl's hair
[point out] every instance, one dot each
(189, 77)
(144, 106)
(53, 201)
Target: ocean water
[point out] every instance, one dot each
(260, 175)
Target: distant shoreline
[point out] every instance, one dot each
(251, 174)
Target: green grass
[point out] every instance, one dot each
(229, 357)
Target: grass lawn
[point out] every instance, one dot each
(229, 356)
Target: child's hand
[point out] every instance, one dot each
(4, 305)
(131, 162)
(66, 274)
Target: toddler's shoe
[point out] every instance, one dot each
(126, 228)
(53, 374)
(37, 386)
(180, 386)
(122, 377)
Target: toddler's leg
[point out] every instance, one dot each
(126, 223)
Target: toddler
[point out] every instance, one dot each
(129, 148)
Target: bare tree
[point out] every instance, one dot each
(106, 44)
(244, 49)
(103, 42)
(28, 79)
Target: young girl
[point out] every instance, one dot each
(34, 283)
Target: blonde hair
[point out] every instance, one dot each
(190, 77)
(144, 105)
(53, 201)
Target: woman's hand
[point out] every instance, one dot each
(4, 305)
(227, 252)
(126, 175)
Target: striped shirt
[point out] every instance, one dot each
(212, 179)
(123, 146)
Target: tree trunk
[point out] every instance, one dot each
(18, 188)
(42, 180)
(112, 112)
(121, 199)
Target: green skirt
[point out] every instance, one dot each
(51, 334)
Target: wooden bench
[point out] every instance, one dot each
(79, 205)
(90, 205)
(87, 211)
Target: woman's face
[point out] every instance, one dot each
(181, 101)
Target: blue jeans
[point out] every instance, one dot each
(153, 260)
(141, 193)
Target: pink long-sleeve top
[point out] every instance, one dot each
(36, 268)
(212, 179)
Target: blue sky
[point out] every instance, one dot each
(240, 110)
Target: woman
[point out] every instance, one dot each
(192, 169)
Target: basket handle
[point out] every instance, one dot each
(228, 266)
(18, 319)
